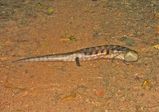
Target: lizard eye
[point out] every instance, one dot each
(131, 56)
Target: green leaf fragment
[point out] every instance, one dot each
(72, 38)
(50, 11)
(128, 41)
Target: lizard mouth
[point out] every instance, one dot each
(131, 56)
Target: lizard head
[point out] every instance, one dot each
(131, 56)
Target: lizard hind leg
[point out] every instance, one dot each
(77, 61)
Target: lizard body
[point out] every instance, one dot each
(90, 53)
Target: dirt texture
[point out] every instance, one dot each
(40, 27)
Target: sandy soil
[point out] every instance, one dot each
(30, 28)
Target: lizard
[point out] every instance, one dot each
(89, 53)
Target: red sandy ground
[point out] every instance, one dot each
(97, 86)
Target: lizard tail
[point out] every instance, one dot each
(51, 57)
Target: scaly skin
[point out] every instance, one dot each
(91, 53)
